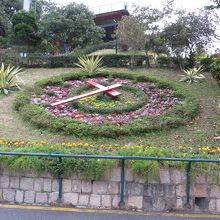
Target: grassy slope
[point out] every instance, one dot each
(201, 131)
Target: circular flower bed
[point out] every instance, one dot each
(144, 105)
(159, 100)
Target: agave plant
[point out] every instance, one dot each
(90, 64)
(193, 75)
(9, 79)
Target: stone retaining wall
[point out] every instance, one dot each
(166, 194)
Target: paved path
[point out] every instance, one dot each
(8, 212)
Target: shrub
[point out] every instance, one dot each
(10, 57)
(164, 61)
(206, 62)
(22, 99)
(63, 61)
(215, 69)
(117, 60)
(9, 79)
(90, 64)
(180, 62)
(193, 75)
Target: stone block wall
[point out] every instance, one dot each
(165, 194)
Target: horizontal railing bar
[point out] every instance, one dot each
(109, 157)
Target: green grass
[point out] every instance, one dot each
(199, 132)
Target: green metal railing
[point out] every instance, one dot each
(122, 159)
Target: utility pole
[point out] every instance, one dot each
(27, 5)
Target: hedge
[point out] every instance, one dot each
(67, 60)
(168, 61)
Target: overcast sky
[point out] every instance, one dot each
(108, 5)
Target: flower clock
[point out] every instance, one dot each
(144, 98)
(108, 105)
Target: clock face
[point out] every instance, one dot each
(103, 100)
(100, 89)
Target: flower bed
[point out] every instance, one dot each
(159, 100)
(147, 104)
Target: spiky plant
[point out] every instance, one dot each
(193, 75)
(9, 79)
(90, 64)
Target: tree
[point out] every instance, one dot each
(40, 7)
(132, 33)
(8, 9)
(216, 4)
(150, 17)
(25, 29)
(151, 20)
(73, 24)
(189, 33)
(155, 43)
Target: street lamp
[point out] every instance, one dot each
(116, 37)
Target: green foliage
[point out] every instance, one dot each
(155, 44)
(90, 64)
(10, 57)
(46, 47)
(22, 99)
(94, 169)
(173, 118)
(108, 60)
(87, 168)
(215, 69)
(116, 60)
(24, 26)
(193, 75)
(8, 9)
(9, 79)
(216, 5)
(132, 33)
(73, 24)
(189, 33)
(66, 60)
(51, 81)
(164, 61)
(206, 62)
(62, 61)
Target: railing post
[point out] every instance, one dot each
(60, 179)
(188, 168)
(122, 202)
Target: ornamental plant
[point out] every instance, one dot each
(193, 75)
(90, 64)
(9, 79)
